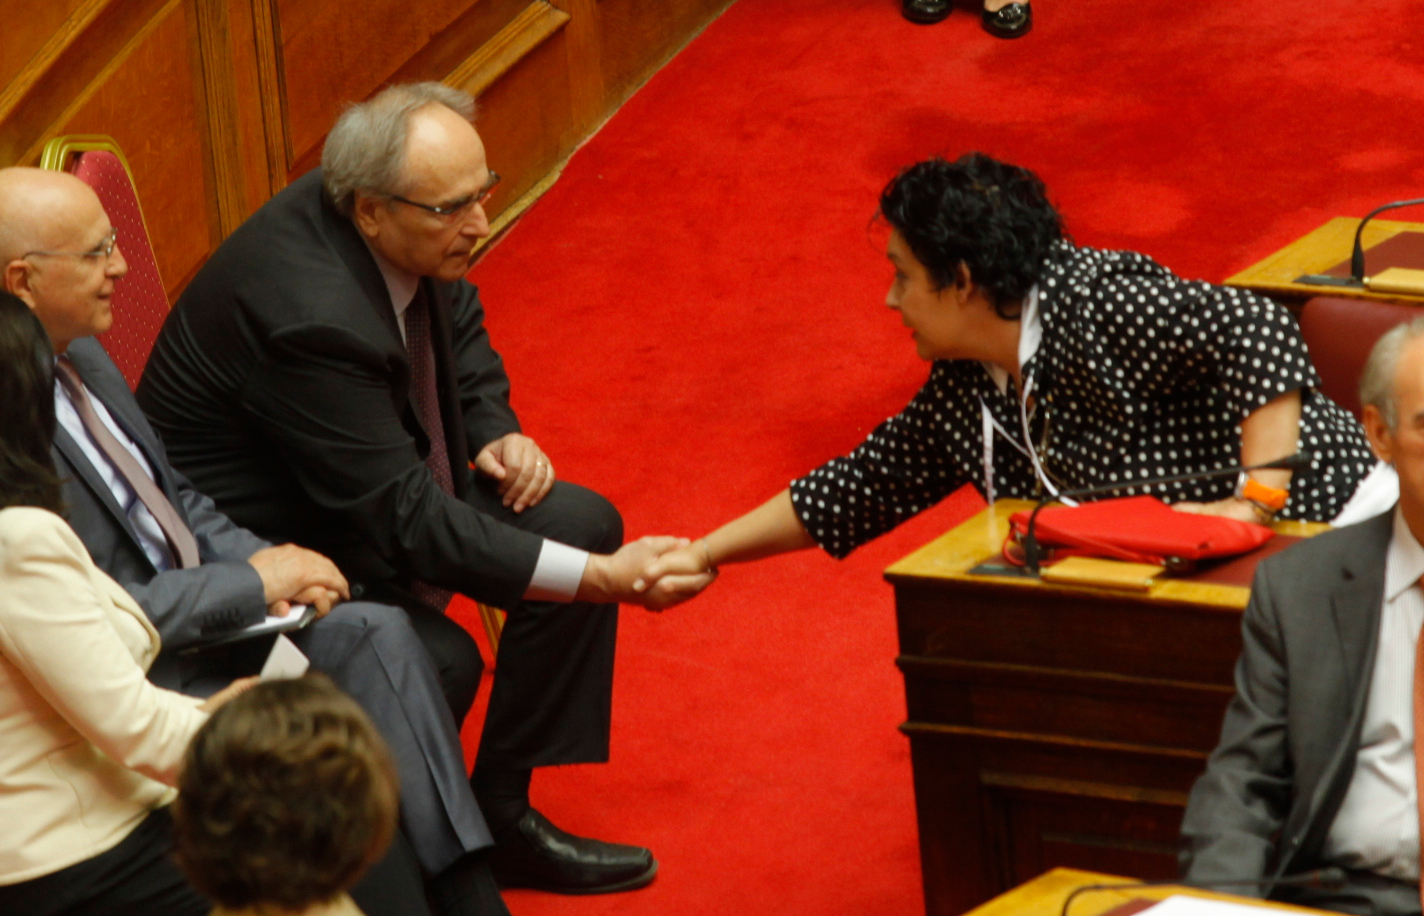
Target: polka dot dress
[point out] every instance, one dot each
(1140, 374)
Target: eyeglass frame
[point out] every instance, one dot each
(104, 249)
(458, 207)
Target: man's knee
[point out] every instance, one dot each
(584, 519)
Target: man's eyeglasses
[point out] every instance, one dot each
(456, 207)
(104, 249)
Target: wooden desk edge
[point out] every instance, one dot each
(1044, 896)
(950, 556)
(1276, 272)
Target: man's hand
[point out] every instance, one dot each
(524, 472)
(618, 577)
(294, 575)
(1240, 509)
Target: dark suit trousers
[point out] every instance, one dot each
(551, 703)
(374, 655)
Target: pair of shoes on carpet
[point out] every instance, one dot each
(534, 853)
(1010, 21)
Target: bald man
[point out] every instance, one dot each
(327, 379)
(196, 574)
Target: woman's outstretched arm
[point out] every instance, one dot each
(767, 530)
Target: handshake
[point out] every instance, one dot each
(655, 572)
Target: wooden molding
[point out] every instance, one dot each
(497, 56)
(214, 37)
(70, 69)
(272, 80)
(1027, 782)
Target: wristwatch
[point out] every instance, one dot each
(1268, 499)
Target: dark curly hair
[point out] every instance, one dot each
(27, 475)
(993, 217)
(286, 796)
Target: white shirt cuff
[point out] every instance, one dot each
(558, 573)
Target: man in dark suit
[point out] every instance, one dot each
(1316, 765)
(197, 575)
(327, 379)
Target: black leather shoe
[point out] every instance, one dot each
(925, 12)
(1010, 21)
(534, 853)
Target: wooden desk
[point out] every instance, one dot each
(1044, 896)
(1316, 253)
(1049, 724)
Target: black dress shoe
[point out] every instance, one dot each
(534, 853)
(925, 12)
(1010, 21)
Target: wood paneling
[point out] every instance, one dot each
(150, 105)
(220, 103)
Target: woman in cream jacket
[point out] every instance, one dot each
(89, 749)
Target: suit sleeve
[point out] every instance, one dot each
(54, 628)
(484, 386)
(1237, 808)
(185, 605)
(188, 606)
(323, 396)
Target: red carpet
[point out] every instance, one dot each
(692, 317)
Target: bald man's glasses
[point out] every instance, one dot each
(104, 249)
(455, 207)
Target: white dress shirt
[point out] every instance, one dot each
(560, 568)
(1377, 828)
(150, 535)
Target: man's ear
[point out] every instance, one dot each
(1380, 435)
(363, 212)
(15, 278)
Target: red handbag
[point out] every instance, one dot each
(1138, 529)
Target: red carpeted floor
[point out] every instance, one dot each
(693, 316)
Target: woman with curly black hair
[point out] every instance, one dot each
(1055, 368)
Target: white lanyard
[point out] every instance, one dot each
(992, 425)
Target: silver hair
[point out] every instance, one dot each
(365, 150)
(1377, 378)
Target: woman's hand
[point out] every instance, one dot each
(236, 688)
(1243, 510)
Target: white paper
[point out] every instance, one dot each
(1182, 905)
(285, 661)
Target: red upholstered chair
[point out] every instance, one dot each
(1340, 334)
(140, 303)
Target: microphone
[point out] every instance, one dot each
(1033, 555)
(1331, 878)
(1357, 253)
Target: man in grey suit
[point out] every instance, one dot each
(1316, 765)
(58, 253)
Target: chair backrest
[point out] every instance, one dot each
(140, 303)
(1340, 334)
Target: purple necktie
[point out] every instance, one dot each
(175, 530)
(427, 401)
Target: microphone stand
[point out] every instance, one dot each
(1357, 253)
(1033, 555)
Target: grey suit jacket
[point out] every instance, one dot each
(184, 605)
(1288, 745)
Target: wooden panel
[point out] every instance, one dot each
(78, 59)
(219, 103)
(639, 35)
(151, 104)
(24, 37)
(332, 57)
